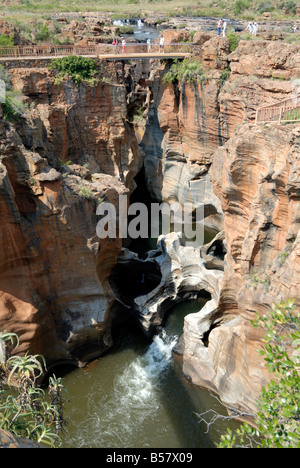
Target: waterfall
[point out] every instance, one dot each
(137, 387)
(133, 402)
(142, 376)
(118, 23)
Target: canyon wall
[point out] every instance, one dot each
(255, 175)
(72, 150)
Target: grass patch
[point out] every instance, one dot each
(233, 41)
(240, 9)
(128, 29)
(87, 194)
(11, 99)
(291, 115)
(6, 41)
(224, 76)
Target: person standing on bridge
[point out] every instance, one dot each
(219, 26)
(161, 44)
(148, 45)
(123, 45)
(115, 44)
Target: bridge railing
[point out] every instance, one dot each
(49, 50)
(284, 111)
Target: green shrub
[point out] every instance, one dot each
(188, 71)
(278, 417)
(42, 34)
(233, 41)
(224, 76)
(86, 192)
(265, 7)
(25, 409)
(127, 29)
(6, 41)
(290, 7)
(240, 6)
(77, 68)
(12, 105)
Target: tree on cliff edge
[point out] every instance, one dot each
(278, 417)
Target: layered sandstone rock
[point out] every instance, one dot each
(180, 136)
(266, 59)
(81, 124)
(187, 122)
(75, 150)
(8, 440)
(50, 293)
(59, 288)
(254, 175)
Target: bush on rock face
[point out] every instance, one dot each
(77, 68)
(188, 71)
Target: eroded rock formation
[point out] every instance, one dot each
(254, 175)
(181, 274)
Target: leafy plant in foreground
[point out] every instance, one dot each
(278, 417)
(25, 410)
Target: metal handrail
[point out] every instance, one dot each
(278, 114)
(91, 50)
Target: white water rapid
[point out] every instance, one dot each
(133, 401)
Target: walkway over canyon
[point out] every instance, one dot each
(102, 51)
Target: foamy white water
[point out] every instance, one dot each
(134, 399)
(136, 396)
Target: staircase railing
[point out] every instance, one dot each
(284, 111)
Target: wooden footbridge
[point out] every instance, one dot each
(102, 51)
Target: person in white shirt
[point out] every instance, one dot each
(161, 43)
(148, 45)
(224, 28)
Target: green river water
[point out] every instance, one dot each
(136, 396)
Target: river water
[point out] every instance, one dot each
(136, 396)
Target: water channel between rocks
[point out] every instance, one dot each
(137, 397)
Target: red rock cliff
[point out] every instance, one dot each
(75, 150)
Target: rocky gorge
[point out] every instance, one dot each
(62, 290)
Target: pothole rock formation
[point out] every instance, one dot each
(179, 272)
